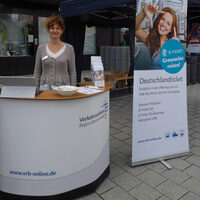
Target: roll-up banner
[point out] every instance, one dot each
(160, 127)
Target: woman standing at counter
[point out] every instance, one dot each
(55, 60)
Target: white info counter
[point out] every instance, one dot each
(52, 144)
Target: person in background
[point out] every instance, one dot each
(164, 28)
(55, 60)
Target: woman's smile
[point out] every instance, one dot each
(163, 28)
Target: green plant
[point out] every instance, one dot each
(27, 29)
(3, 32)
(25, 32)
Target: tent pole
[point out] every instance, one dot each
(132, 47)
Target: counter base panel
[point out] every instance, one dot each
(77, 193)
(60, 185)
(90, 156)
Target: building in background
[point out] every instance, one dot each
(22, 30)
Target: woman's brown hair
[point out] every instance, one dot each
(55, 19)
(153, 39)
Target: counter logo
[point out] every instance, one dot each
(105, 107)
(93, 118)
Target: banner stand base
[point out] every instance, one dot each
(166, 164)
(159, 159)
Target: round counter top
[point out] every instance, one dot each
(53, 95)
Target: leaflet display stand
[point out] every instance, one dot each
(97, 71)
(17, 87)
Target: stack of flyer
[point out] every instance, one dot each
(97, 71)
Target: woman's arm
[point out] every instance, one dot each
(72, 67)
(139, 32)
(148, 10)
(38, 69)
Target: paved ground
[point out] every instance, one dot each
(150, 181)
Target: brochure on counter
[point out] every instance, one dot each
(89, 90)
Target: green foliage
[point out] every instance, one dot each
(25, 31)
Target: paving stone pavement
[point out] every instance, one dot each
(150, 181)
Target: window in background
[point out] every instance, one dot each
(16, 34)
(43, 34)
(90, 41)
(193, 39)
(124, 37)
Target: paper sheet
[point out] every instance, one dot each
(86, 90)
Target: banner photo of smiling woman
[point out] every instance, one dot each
(162, 26)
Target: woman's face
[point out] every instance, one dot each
(165, 24)
(55, 31)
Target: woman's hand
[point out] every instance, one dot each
(175, 34)
(150, 10)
